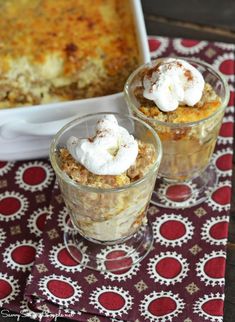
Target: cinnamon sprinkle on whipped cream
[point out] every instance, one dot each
(110, 152)
(173, 82)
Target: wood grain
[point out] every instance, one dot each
(210, 12)
(158, 25)
(197, 19)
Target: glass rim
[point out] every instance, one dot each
(224, 102)
(66, 178)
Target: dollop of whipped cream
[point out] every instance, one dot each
(173, 82)
(110, 152)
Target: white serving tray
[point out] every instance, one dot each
(26, 132)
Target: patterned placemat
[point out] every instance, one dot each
(25, 194)
(182, 278)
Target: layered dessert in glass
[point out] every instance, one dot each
(106, 166)
(184, 101)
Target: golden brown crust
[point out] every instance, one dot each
(85, 40)
(77, 172)
(208, 104)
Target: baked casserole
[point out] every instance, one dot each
(63, 50)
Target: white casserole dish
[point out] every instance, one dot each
(26, 132)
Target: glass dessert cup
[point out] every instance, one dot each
(107, 228)
(185, 177)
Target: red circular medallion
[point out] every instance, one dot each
(172, 229)
(154, 44)
(189, 42)
(214, 307)
(227, 67)
(226, 129)
(40, 222)
(23, 255)
(9, 206)
(215, 267)
(219, 230)
(231, 99)
(114, 265)
(34, 175)
(178, 192)
(168, 267)
(162, 306)
(111, 300)
(5, 289)
(65, 258)
(60, 289)
(224, 162)
(222, 195)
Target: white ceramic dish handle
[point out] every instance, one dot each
(23, 127)
(44, 122)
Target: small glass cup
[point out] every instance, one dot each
(108, 227)
(185, 176)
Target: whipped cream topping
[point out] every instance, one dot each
(110, 152)
(173, 82)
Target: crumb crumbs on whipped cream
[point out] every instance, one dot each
(110, 159)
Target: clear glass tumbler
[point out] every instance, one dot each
(107, 217)
(185, 174)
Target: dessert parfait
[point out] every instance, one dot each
(184, 101)
(106, 166)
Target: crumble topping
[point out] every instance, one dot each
(77, 172)
(207, 105)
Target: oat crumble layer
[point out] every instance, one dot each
(77, 172)
(207, 105)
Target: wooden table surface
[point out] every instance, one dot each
(197, 19)
(208, 20)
